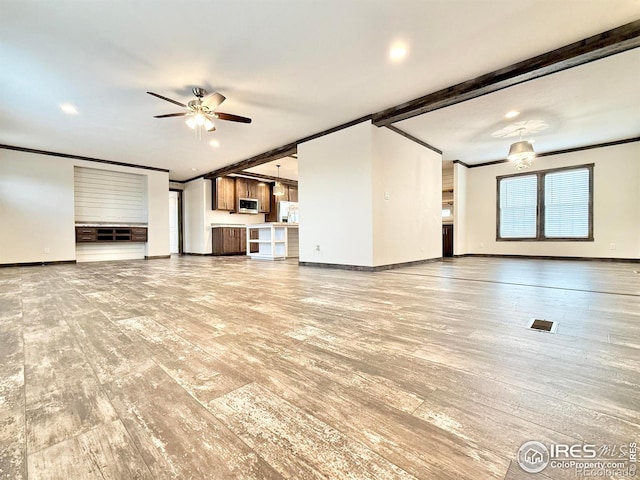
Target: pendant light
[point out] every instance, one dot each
(278, 188)
(521, 153)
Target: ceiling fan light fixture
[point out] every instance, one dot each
(200, 113)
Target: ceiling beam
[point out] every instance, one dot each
(271, 155)
(414, 139)
(617, 40)
(266, 178)
(289, 150)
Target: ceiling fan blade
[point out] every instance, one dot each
(171, 115)
(212, 100)
(167, 99)
(233, 118)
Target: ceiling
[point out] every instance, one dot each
(594, 103)
(296, 67)
(288, 168)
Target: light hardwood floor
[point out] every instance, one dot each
(216, 368)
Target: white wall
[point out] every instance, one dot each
(158, 215)
(194, 201)
(459, 209)
(343, 179)
(407, 226)
(335, 197)
(37, 207)
(616, 206)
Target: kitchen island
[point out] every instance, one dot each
(275, 240)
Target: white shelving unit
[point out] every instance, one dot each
(276, 241)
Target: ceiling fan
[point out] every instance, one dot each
(200, 112)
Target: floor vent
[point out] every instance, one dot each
(543, 325)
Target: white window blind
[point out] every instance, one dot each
(566, 204)
(518, 206)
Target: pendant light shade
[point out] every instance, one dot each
(521, 153)
(278, 188)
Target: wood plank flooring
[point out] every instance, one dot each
(217, 368)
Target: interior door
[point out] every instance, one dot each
(174, 236)
(447, 240)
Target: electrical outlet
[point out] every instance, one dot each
(387, 195)
(481, 244)
(612, 246)
(47, 250)
(317, 248)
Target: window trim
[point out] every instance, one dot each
(540, 210)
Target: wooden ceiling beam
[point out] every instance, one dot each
(617, 40)
(271, 155)
(267, 178)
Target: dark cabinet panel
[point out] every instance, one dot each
(111, 234)
(229, 241)
(293, 194)
(224, 193)
(246, 188)
(264, 197)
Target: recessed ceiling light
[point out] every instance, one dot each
(512, 114)
(194, 169)
(214, 143)
(68, 108)
(397, 52)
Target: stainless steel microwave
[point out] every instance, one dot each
(248, 205)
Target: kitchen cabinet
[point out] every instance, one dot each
(230, 240)
(264, 197)
(272, 216)
(293, 194)
(246, 188)
(227, 240)
(276, 241)
(224, 193)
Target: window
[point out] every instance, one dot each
(566, 204)
(518, 207)
(546, 205)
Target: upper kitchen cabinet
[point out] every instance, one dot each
(264, 197)
(224, 193)
(246, 188)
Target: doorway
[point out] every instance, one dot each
(175, 221)
(447, 240)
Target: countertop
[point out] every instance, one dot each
(253, 225)
(273, 224)
(228, 225)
